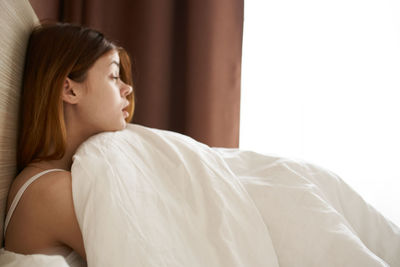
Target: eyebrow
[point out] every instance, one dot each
(115, 62)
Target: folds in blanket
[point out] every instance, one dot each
(314, 218)
(181, 203)
(147, 197)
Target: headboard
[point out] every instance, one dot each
(17, 20)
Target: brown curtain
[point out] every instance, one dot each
(187, 59)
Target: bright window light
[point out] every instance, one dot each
(321, 82)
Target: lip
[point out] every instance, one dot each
(124, 111)
(126, 105)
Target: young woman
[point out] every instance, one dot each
(76, 83)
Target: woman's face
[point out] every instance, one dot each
(104, 96)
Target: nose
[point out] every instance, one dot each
(126, 90)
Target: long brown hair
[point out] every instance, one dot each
(57, 51)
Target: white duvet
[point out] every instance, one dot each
(148, 197)
(11, 259)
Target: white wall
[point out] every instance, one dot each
(321, 82)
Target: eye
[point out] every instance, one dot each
(116, 77)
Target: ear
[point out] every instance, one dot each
(71, 91)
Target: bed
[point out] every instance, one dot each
(182, 203)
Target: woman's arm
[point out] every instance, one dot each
(62, 223)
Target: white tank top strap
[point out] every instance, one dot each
(19, 194)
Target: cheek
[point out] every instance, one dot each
(104, 95)
(105, 106)
(102, 108)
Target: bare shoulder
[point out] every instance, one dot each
(54, 190)
(42, 187)
(46, 209)
(58, 210)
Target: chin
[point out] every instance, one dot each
(114, 128)
(122, 125)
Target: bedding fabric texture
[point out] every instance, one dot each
(11, 259)
(149, 197)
